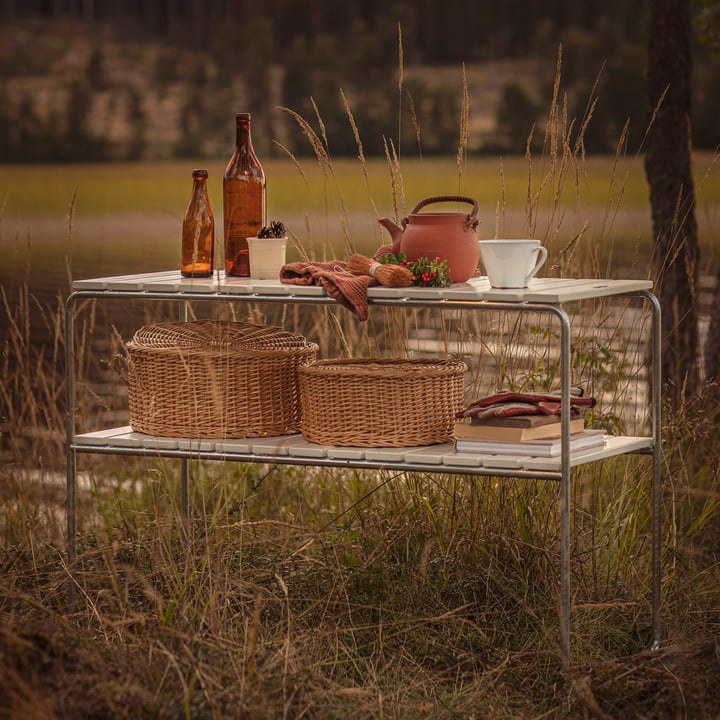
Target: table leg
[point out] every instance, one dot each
(70, 459)
(565, 489)
(656, 488)
(185, 463)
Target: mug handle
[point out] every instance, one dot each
(542, 250)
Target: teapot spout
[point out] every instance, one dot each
(396, 233)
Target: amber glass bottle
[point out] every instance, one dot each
(198, 233)
(243, 199)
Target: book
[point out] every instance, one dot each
(518, 420)
(495, 431)
(549, 447)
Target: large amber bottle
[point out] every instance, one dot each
(198, 232)
(243, 199)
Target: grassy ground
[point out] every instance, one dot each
(308, 593)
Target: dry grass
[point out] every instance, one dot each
(303, 592)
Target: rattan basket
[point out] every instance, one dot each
(371, 402)
(214, 379)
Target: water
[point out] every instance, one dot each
(46, 254)
(43, 251)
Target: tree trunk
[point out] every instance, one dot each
(712, 349)
(672, 194)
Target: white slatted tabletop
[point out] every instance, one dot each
(478, 289)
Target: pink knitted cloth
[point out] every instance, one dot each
(348, 289)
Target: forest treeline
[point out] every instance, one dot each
(206, 59)
(435, 32)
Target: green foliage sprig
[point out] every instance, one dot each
(274, 230)
(426, 272)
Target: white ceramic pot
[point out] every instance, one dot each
(267, 256)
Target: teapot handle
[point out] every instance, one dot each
(470, 223)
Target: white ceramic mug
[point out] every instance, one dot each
(267, 256)
(511, 263)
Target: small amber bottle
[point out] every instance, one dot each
(243, 199)
(198, 234)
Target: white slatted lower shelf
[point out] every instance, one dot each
(295, 446)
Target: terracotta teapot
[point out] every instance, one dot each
(447, 235)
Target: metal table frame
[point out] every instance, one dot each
(76, 445)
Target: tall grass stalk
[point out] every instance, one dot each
(464, 130)
(401, 77)
(320, 148)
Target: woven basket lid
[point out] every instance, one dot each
(216, 336)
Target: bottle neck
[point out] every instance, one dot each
(199, 177)
(243, 139)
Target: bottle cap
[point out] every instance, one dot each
(242, 116)
(199, 173)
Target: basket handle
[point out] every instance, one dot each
(123, 368)
(470, 223)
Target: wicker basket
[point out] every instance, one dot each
(214, 379)
(371, 402)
